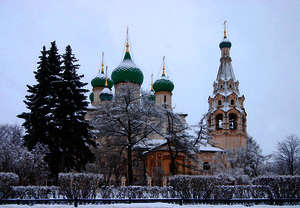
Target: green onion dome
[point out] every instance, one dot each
(225, 43)
(99, 81)
(106, 95)
(151, 96)
(127, 71)
(163, 84)
(91, 97)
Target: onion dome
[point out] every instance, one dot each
(225, 43)
(99, 80)
(151, 96)
(91, 97)
(163, 84)
(106, 93)
(127, 71)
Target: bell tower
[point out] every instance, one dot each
(226, 117)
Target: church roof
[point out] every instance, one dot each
(225, 72)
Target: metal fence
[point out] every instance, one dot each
(179, 201)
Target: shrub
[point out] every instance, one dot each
(239, 191)
(137, 192)
(196, 187)
(79, 185)
(35, 192)
(7, 180)
(280, 186)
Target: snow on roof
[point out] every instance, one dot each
(106, 91)
(127, 63)
(209, 148)
(101, 75)
(225, 72)
(150, 143)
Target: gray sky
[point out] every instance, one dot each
(265, 51)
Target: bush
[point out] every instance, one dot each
(197, 187)
(137, 192)
(280, 186)
(239, 192)
(7, 180)
(79, 185)
(35, 192)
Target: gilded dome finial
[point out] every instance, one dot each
(225, 32)
(164, 67)
(106, 77)
(127, 44)
(151, 82)
(102, 64)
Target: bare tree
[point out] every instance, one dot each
(178, 139)
(126, 121)
(244, 161)
(287, 156)
(15, 157)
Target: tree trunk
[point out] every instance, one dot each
(129, 166)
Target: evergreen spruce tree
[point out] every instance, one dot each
(73, 132)
(57, 106)
(37, 102)
(55, 87)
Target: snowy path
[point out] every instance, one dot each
(147, 205)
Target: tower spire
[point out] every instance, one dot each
(225, 29)
(152, 82)
(164, 67)
(127, 43)
(102, 64)
(106, 77)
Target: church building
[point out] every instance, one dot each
(226, 116)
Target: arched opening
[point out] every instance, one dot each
(232, 102)
(219, 102)
(206, 166)
(219, 121)
(232, 121)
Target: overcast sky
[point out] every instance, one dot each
(265, 38)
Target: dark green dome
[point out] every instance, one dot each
(91, 97)
(225, 44)
(99, 81)
(106, 95)
(151, 96)
(163, 84)
(127, 71)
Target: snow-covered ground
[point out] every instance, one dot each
(147, 205)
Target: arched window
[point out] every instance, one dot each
(219, 121)
(232, 121)
(232, 102)
(219, 102)
(206, 166)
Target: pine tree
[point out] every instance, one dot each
(37, 102)
(73, 132)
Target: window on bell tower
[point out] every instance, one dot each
(219, 121)
(232, 102)
(219, 102)
(232, 121)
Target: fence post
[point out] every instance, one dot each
(75, 202)
(123, 181)
(149, 181)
